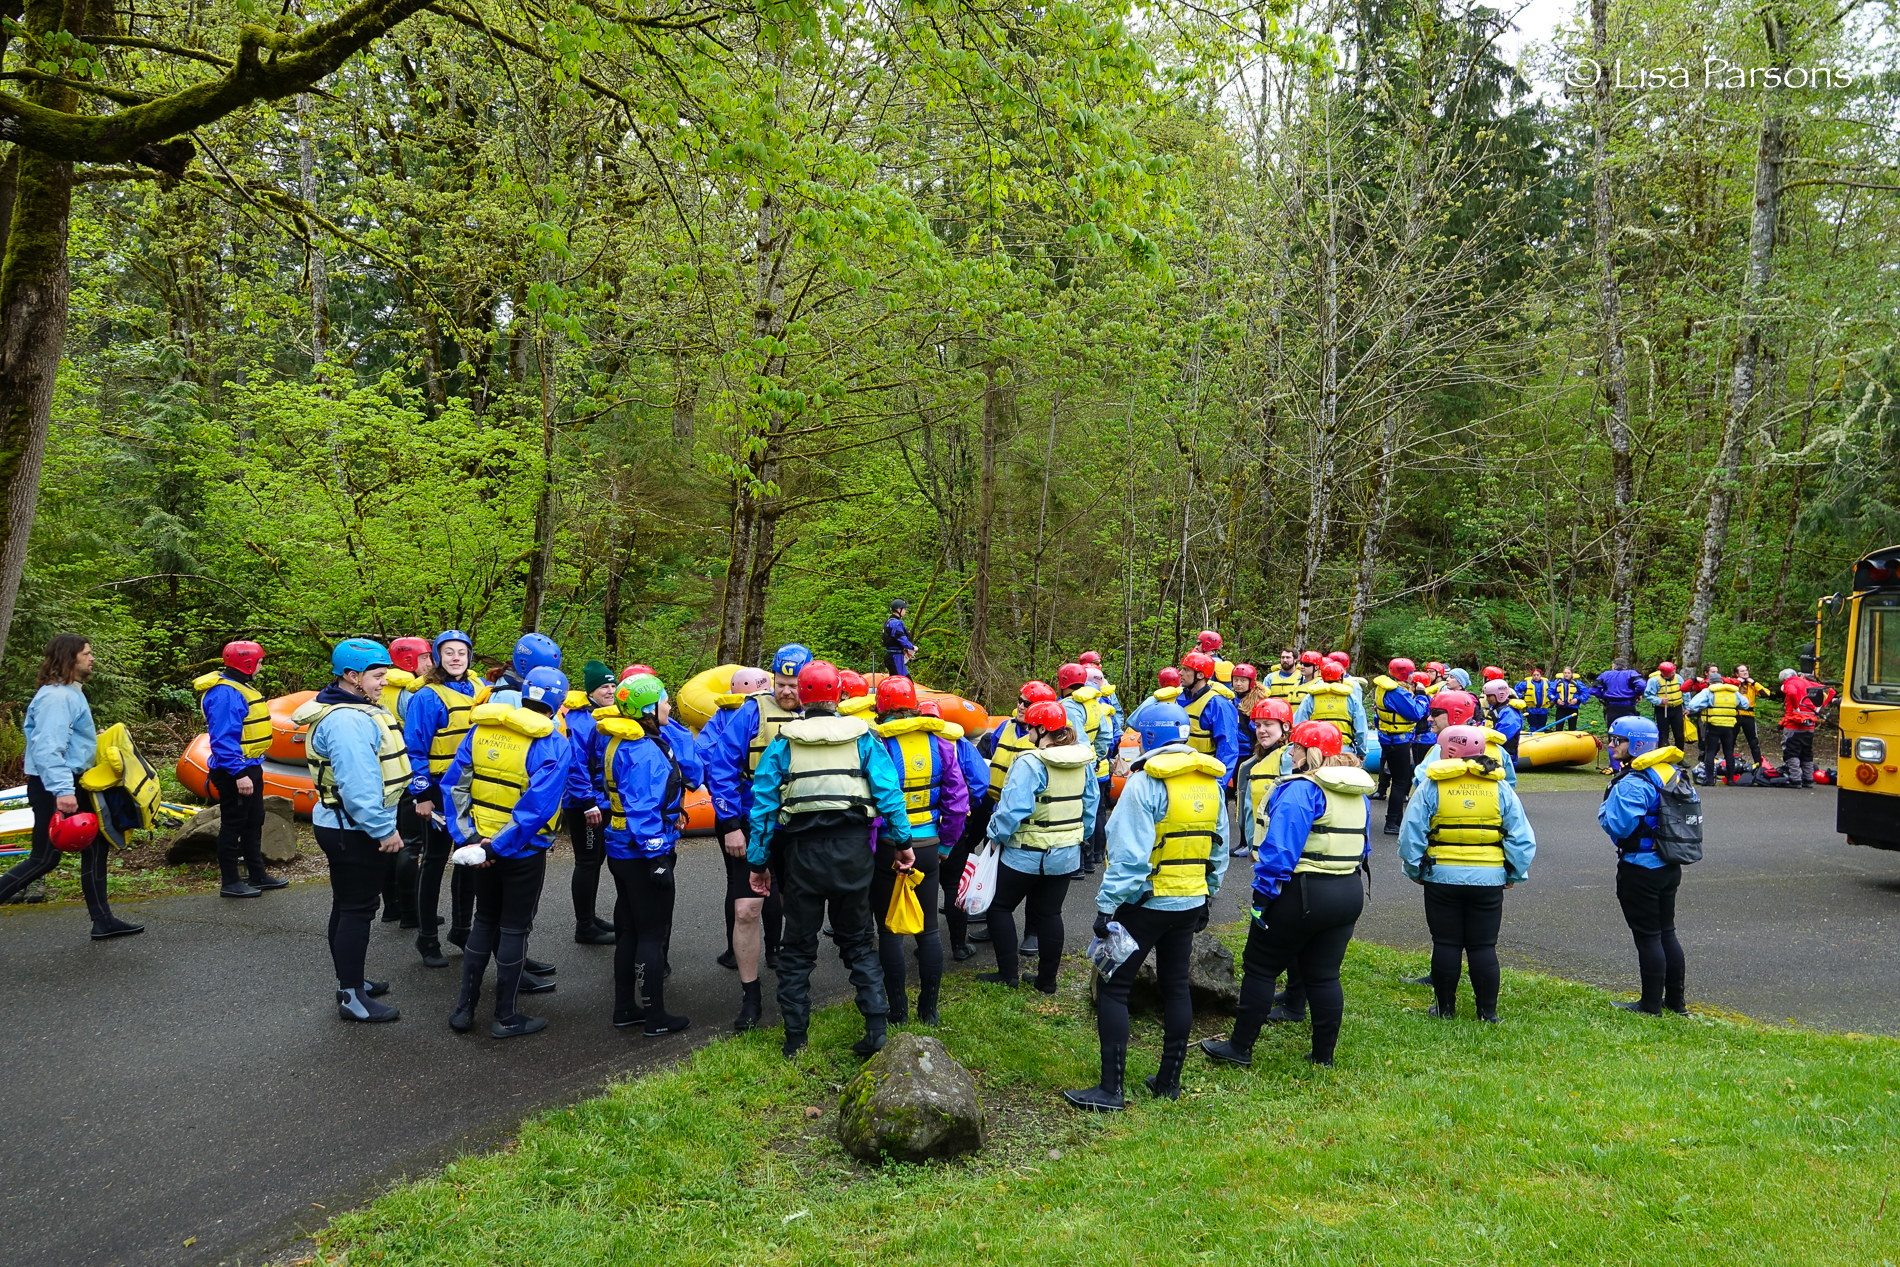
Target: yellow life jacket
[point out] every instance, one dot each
(118, 764)
(254, 739)
(772, 719)
(1180, 862)
(857, 705)
(1467, 828)
(914, 751)
(1537, 695)
(619, 729)
(1725, 702)
(824, 772)
(1390, 723)
(1281, 685)
(1094, 715)
(1336, 843)
(1166, 693)
(1668, 693)
(1566, 692)
(445, 741)
(1012, 741)
(1056, 821)
(392, 754)
(1200, 738)
(1332, 702)
(395, 683)
(1259, 776)
(498, 764)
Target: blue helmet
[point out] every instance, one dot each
(1163, 723)
(1640, 731)
(450, 635)
(544, 685)
(535, 651)
(790, 658)
(360, 655)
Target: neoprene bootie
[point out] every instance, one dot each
(1106, 1095)
(873, 1041)
(751, 1008)
(356, 1005)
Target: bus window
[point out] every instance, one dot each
(1877, 658)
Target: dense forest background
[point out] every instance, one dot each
(676, 331)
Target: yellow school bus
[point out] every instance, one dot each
(1868, 811)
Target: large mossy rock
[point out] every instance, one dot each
(912, 1101)
(1212, 983)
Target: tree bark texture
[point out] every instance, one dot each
(985, 512)
(1613, 370)
(1770, 155)
(317, 265)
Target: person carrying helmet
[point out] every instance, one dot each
(1306, 892)
(1506, 717)
(1751, 690)
(237, 722)
(581, 809)
(1646, 885)
(360, 765)
(1465, 840)
(1802, 699)
(746, 682)
(62, 743)
(937, 798)
(1332, 701)
(1215, 725)
(732, 762)
(1535, 692)
(1664, 694)
(1568, 695)
(955, 848)
(1271, 720)
(1718, 709)
(1045, 812)
(434, 721)
(898, 647)
(644, 788)
(1094, 724)
(1400, 705)
(1004, 743)
(1280, 683)
(819, 784)
(1167, 854)
(505, 787)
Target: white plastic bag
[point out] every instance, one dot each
(978, 886)
(469, 856)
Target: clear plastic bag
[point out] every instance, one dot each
(1111, 952)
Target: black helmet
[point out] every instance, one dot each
(899, 604)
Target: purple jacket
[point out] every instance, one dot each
(1620, 686)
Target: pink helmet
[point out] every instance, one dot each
(1455, 742)
(750, 681)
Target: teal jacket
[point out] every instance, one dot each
(873, 758)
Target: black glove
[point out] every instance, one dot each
(1206, 908)
(1101, 924)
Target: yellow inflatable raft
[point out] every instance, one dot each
(1556, 747)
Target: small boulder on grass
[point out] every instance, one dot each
(1212, 982)
(196, 841)
(278, 840)
(912, 1101)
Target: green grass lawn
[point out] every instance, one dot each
(1572, 1133)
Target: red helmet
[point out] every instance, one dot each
(632, 669)
(1090, 657)
(1436, 666)
(929, 708)
(1310, 657)
(1457, 706)
(1492, 673)
(1339, 656)
(1331, 671)
(1273, 710)
(1318, 734)
(1667, 666)
(1200, 662)
(854, 683)
(69, 833)
(1046, 715)
(1246, 670)
(1401, 668)
(1209, 640)
(1070, 676)
(1169, 676)
(894, 693)
(1035, 692)
(246, 656)
(819, 683)
(1421, 679)
(403, 651)
(1461, 741)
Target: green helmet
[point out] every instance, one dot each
(639, 694)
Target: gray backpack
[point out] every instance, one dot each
(1679, 822)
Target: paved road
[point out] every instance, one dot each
(195, 1082)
